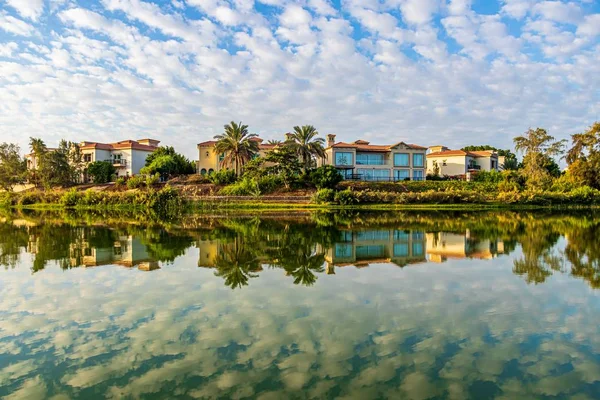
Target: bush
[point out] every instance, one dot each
(585, 195)
(120, 183)
(269, 183)
(136, 182)
(70, 198)
(101, 171)
(326, 177)
(488, 177)
(7, 199)
(152, 180)
(245, 187)
(223, 177)
(346, 198)
(29, 198)
(323, 196)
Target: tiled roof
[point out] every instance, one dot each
(122, 145)
(362, 145)
(450, 153)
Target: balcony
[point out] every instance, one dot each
(117, 162)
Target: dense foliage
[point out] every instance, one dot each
(13, 168)
(167, 162)
(101, 171)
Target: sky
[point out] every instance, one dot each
(430, 72)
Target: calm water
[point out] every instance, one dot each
(403, 305)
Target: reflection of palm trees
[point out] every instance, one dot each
(302, 262)
(236, 263)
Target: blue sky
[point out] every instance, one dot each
(453, 72)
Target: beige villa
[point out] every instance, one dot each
(361, 160)
(460, 162)
(209, 161)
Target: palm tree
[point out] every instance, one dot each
(38, 148)
(237, 145)
(274, 142)
(307, 145)
(237, 263)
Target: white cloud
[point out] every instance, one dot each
(558, 11)
(15, 26)
(31, 9)
(590, 26)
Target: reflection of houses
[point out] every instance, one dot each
(126, 251)
(444, 245)
(361, 248)
(208, 251)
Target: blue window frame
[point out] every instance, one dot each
(343, 158)
(401, 174)
(369, 159)
(418, 160)
(401, 160)
(418, 175)
(401, 250)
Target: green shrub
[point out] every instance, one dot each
(323, 196)
(29, 198)
(488, 177)
(101, 171)
(136, 182)
(223, 177)
(120, 183)
(346, 198)
(70, 198)
(7, 199)
(152, 180)
(585, 195)
(325, 177)
(245, 187)
(269, 183)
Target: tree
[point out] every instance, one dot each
(179, 165)
(164, 165)
(285, 164)
(326, 177)
(307, 145)
(274, 142)
(237, 145)
(538, 148)
(13, 168)
(584, 157)
(54, 168)
(76, 161)
(38, 150)
(510, 158)
(101, 171)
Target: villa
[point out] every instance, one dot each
(209, 161)
(361, 160)
(455, 163)
(128, 156)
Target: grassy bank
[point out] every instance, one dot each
(170, 200)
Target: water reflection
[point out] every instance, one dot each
(238, 249)
(439, 313)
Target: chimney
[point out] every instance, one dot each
(330, 140)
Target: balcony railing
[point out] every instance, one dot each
(361, 177)
(117, 162)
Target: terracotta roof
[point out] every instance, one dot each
(449, 153)
(122, 145)
(365, 146)
(260, 141)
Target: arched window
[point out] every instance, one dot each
(210, 171)
(203, 171)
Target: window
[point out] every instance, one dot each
(401, 174)
(373, 235)
(369, 159)
(417, 249)
(203, 171)
(401, 250)
(346, 236)
(418, 160)
(374, 174)
(401, 235)
(342, 158)
(401, 160)
(418, 175)
(343, 250)
(493, 164)
(370, 251)
(87, 158)
(418, 235)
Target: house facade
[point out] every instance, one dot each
(128, 156)
(460, 162)
(209, 161)
(361, 160)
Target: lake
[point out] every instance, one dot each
(403, 305)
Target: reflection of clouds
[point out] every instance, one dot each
(380, 332)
